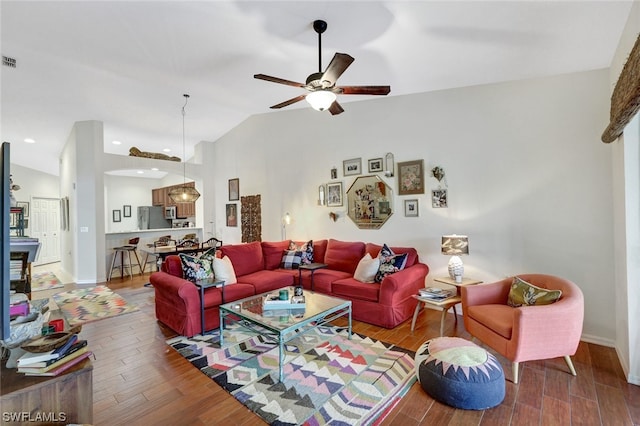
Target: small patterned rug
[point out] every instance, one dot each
(91, 304)
(45, 281)
(328, 379)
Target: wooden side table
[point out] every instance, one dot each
(310, 267)
(443, 305)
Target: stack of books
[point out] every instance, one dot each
(54, 362)
(273, 301)
(436, 293)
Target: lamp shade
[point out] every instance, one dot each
(455, 245)
(184, 194)
(321, 99)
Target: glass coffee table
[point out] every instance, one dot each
(284, 324)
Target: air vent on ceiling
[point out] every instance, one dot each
(8, 62)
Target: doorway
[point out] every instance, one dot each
(44, 224)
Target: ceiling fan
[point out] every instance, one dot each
(322, 85)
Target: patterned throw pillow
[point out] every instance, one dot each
(367, 269)
(209, 254)
(524, 294)
(390, 263)
(306, 249)
(195, 269)
(291, 259)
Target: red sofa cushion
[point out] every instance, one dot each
(246, 258)
(344, 256)
(173, 266)
(264, 280)
(272, 252)
(319, 250)
(412, 254)
(352, 288)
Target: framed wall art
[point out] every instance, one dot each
(352, 167)
(232, 215)
(126, 211)
(411, 177)
(439, 198)
(234, 189)
(116, 216)
(411, 208)
(25, 208)
(334, 173)
(375, 165)
(334, 194)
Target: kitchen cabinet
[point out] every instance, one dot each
(160, 197)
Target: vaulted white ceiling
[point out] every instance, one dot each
(128, 63)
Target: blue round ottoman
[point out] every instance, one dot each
(460, 373)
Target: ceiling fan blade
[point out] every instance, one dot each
(277, 80)
(337, 66)
(335, 108)
(364, 90)
(289, 102)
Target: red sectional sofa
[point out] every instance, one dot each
(257, 268)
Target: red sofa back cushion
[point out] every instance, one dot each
(344, 256)
(319, 250)
(412, 256)
(172, 265)
(272, 252)
(246, 258)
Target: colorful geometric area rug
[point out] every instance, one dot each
(328, 379)
(45, 281)
(91, 304)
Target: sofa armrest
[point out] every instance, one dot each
(486, 294)
(403, 284)
(177, 290)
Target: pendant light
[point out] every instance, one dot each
(184, 193)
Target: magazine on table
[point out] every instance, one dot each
(436, 293)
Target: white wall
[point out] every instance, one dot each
(626, 169)
(529, 181)
(120, 191)
(34, 183)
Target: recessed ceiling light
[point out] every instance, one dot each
(166, 150)
(155, 169)
(29, 140)
(140, 172)
(116, 143)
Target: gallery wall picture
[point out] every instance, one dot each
(411, 208)
(126, 211)
(352, 167)
(411, 177)
(439, 198)
(334, 194)
(116, 216)
(375, 165)
(234, 189)
(25, 208)
(232, 214)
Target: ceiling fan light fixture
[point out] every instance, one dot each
(321, 100)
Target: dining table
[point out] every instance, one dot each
(161, 252)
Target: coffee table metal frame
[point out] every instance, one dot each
(285, 324)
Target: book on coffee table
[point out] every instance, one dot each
(273, 301)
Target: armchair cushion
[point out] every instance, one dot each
(523, 293)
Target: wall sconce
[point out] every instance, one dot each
(286, 220)
(389, 165)
(321, 199)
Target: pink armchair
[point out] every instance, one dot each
(525, 333)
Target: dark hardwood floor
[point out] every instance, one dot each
(139, 380)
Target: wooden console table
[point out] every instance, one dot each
(64, 399)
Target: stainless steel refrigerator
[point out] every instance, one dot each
(152, 217)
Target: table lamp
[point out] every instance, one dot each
(454, 246)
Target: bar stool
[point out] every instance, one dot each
(127, 249)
